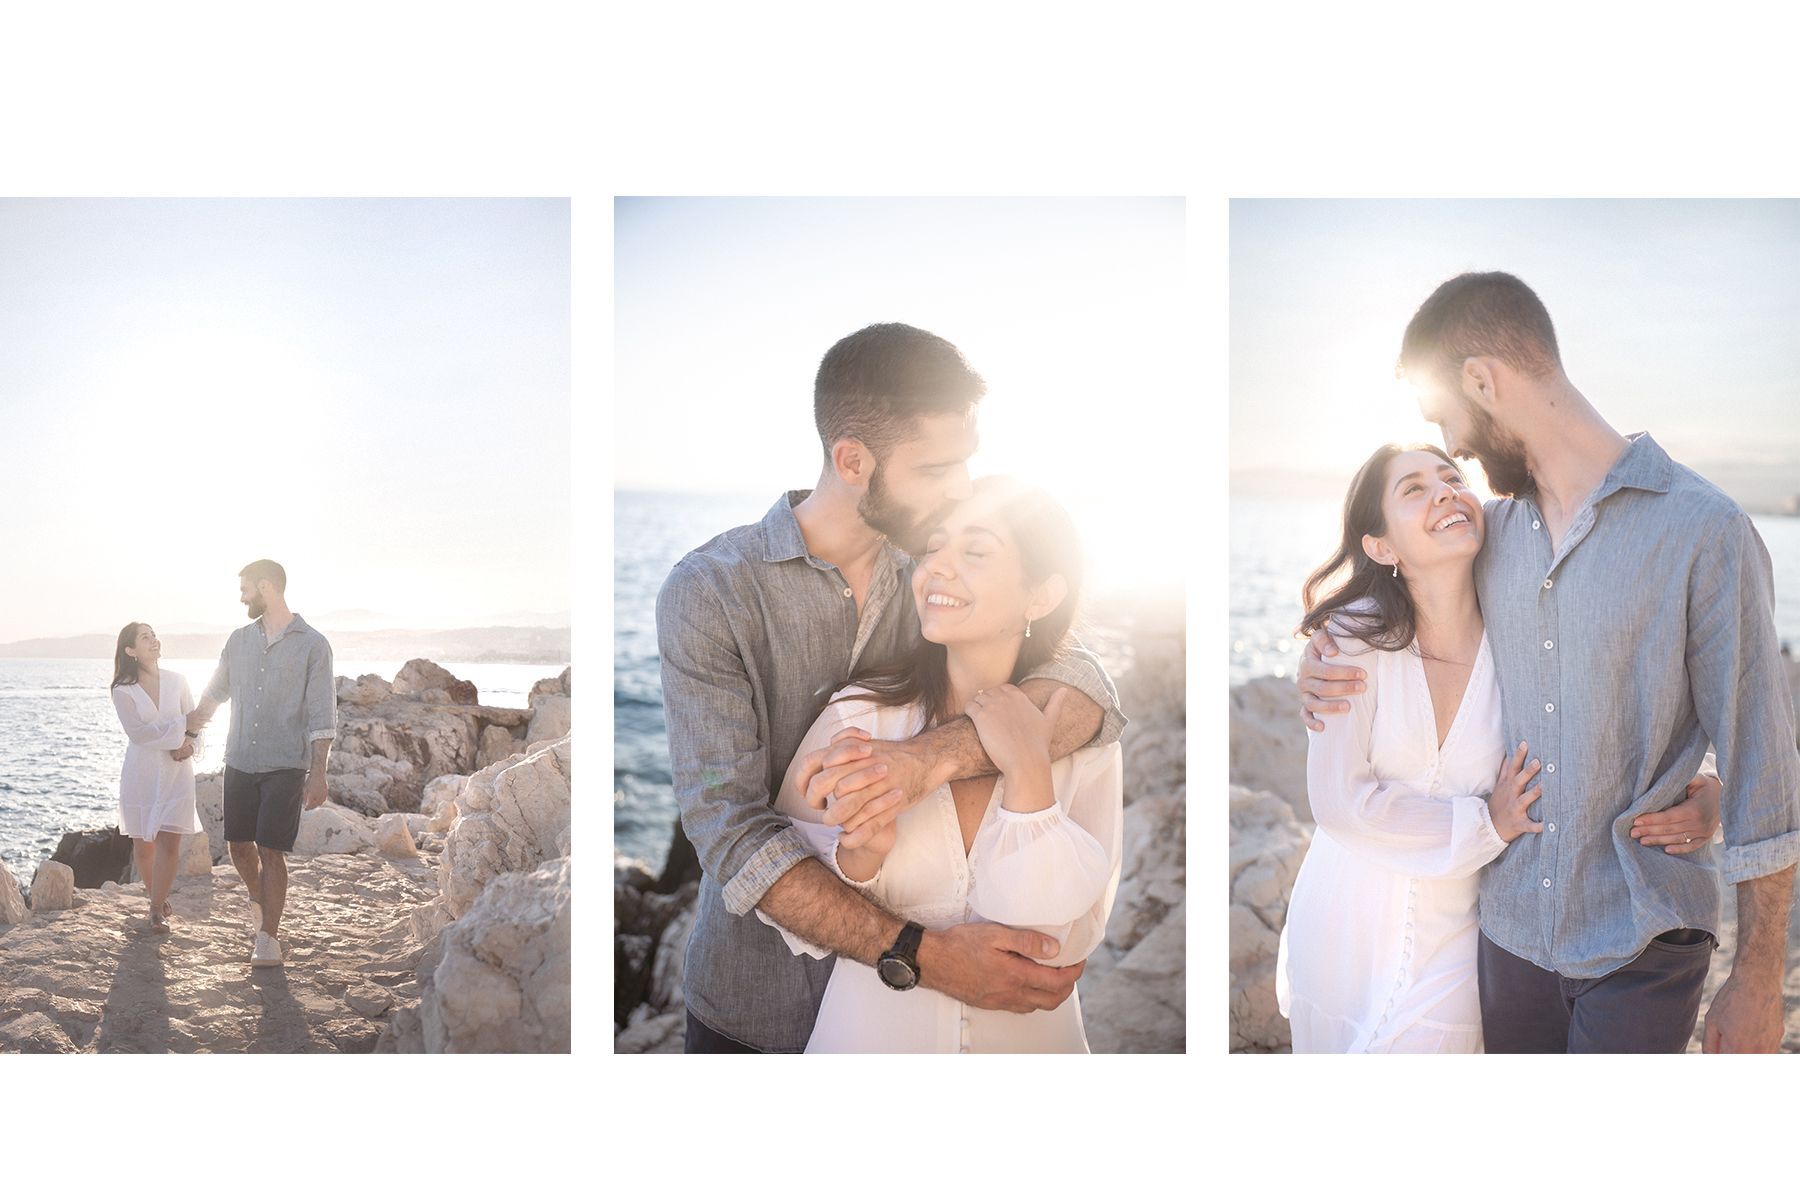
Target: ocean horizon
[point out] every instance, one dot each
(61, 747)
(1276, 542)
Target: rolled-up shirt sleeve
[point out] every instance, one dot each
(1079, 668)
(321, 694)
(718, 758)
(1742, 700)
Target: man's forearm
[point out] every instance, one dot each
(815, 904)
(1762, 923)
(321, 755)
(954, 749)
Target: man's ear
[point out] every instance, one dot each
(853, 461)
(1047, 598)
(1478, 381)
(1378, 550)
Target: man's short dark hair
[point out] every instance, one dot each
(875, 385)
(266, 568)
(1487, 314)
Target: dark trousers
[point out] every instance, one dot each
(1647, 1006)
(701, 1038)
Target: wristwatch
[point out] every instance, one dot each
(899, 966)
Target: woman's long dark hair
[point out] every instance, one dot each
(1391, 621)
(125, 667)
(1047, 546)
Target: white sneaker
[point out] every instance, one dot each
(267, 952)
(255, 916)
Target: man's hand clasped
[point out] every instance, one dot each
(861, 785)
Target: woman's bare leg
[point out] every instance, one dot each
(143, 853)
(168, 861)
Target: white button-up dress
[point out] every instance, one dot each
(1378, 954)
(1055, 871)
(156, 793)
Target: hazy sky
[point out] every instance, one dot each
(374, 393)
(1679, 317)
(1069, 308)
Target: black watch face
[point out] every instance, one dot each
(896, 974)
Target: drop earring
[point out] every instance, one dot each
(1027, 626)
(1396, 570)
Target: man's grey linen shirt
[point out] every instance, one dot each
(1648, 633)
(282, 692)
(754, 635)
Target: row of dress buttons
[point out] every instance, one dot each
(964, 1049)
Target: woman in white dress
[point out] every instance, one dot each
(1036, 848)
(1413, 790)
(156, 785)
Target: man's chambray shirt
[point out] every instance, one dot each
(754, 634)
(1648, 633)
(283, 696)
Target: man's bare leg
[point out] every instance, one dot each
(249, 867)
(274, 888)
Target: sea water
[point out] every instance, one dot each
(61, 747)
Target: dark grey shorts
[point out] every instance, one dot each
(264, 807)
(1647, 1006)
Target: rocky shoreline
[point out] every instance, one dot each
(1270, 828)
(1134, 989)
(428, 907)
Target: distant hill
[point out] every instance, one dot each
(494, 643)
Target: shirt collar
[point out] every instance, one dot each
(297, 625)
(1644, 465)
(783, 541)
(781, 535)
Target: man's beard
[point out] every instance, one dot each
(887, 516)
(256, 607)
(1502, 457)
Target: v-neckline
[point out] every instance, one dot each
(1462, 702)
(955, 818)
(156, 700)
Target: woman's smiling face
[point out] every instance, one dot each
(970, 585)
(1431, 514)
(146, 648)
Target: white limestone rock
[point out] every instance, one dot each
(364, 689)
(393, 839)
(1268, 741)
(209, 802)
(52, 888)
(12, 902)
(196, 855)
(329, 829)
(550, 717)
(1266, 848)
(497, 743)
(502, 983)
(420, 676)
(515, 815)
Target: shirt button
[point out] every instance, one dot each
(1550, 770)
(848, 593)
(1535, 524)
(1551, 827)
(1546, 883)
(1549, 645)
(1549, 708)
(1549, 583)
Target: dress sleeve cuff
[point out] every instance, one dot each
(861, 885)
(773, 859)
(1743, 863)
